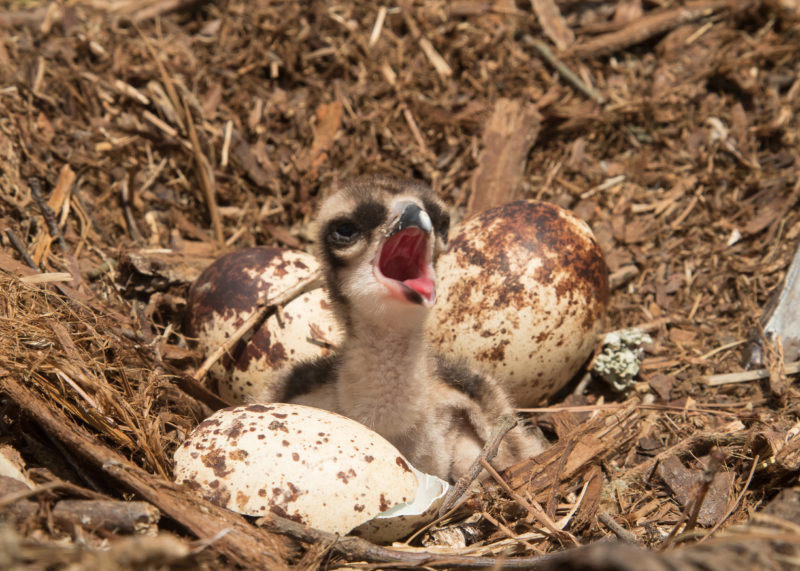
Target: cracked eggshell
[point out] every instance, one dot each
(306, 464)
(522, 294)
(404, 519)
(227, 293)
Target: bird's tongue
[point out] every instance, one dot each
(403, 259)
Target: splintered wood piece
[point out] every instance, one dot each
(508, 136)
(594, 439)
(234, 537)
(553, 23)
(591, 500)
(329, 120)
(356, 548)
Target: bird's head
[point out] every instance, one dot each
(379, 238)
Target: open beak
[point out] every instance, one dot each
(403, 263)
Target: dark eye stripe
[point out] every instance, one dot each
(440, 218)
(369, 215)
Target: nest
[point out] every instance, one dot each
(139, 141)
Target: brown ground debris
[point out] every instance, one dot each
(141, 140)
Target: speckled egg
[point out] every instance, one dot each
(227, 293)
(523, 290)
(310, 465)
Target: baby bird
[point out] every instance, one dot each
(378, 239)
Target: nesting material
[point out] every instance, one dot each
(670, 127)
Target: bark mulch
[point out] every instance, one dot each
(141, 140)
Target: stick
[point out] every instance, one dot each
(565, 72)
(49, 216)
(206, 176)
(649, 25)
(504, 424)
(125, 199)
(112, 515)
(621, 533)
(537, 512)
(262, 308)
(13, 491)
(20, 247)
(729, 378)
(358, 549)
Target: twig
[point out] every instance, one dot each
(205, 173)
(112, 515)
(621, 533)
(504, 424)
(206, 176)
(377, 27)
(436, 60)
(52, 223)
(729, 378)
(125, 199)
(226, 144)
(565, 72)
(49, 216)
(412, 124)
(20, 247)
(537, 512)
(358, 549)
(582, 384)
(649, 25)
(262, 308)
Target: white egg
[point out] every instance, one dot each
(227, 293)
(522, 294)
(310, 465)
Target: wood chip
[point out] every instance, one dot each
(553, 23)
(507, 139)
(329, 120)
(437, 61)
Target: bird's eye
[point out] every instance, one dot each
(343, 233)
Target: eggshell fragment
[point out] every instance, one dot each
(522, 294)
(404, 519)
(310, 465)
(227, 293)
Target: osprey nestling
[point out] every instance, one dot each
(378, 239)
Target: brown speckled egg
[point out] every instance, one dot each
(309, 465)
(522, 294)
(227, 293)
